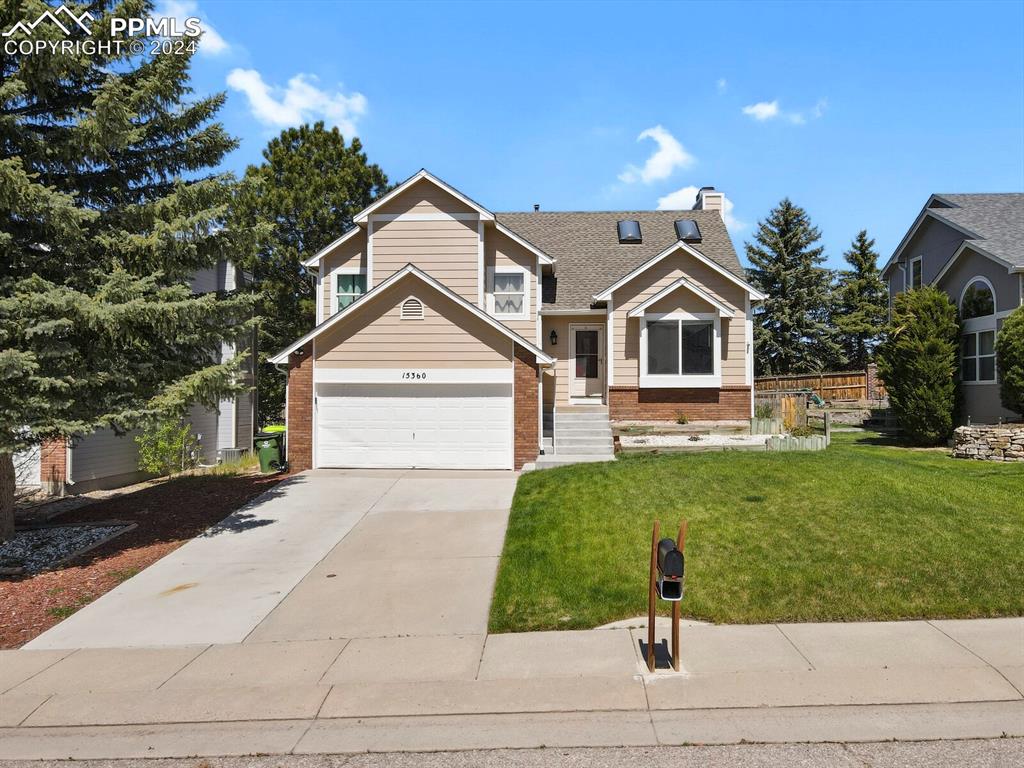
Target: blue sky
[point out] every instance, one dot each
(855, 111)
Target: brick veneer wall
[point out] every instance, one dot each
(524, 401)
(635, 404)
(53, 465)
(300, 410)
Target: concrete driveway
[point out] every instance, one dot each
(326, 554)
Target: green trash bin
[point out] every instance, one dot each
(268, 449)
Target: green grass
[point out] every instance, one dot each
(864, 530)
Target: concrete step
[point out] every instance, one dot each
(581, 417)
(584, 450)
(583, 430)
(590, 440)
(565, 459)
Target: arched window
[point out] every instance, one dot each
(412, 309)
(977, 300)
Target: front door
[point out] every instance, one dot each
(586, 361)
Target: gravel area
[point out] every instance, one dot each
(691, 441)
(167, 514)
(39, 549)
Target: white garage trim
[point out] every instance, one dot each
(412, 375)
(432, 426)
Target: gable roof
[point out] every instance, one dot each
(993, 224)
(313, 260)
(422, 175)
(370, 296)
(682, 282)
(589, 256)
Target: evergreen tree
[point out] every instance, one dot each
(791, 329)
(860, 302)
(106, 211)
(1010, 354)
(300, 199)
(918, 361)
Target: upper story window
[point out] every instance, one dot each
(509, 297)
(348, 286)
(977, 301)
(978, 356)
(916, 276)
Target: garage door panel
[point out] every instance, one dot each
(414, 425)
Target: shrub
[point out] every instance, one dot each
(764, 411)
(168, 447)
(681, 418)
(1010, 354)
(917, 360)
(802, 431)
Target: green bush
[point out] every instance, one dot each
(1010, 356)
(681, 418)
(917, 360)
(167, 448)
(802, 430)
(764, 411)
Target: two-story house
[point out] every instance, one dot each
(450, 336)
(972, 248)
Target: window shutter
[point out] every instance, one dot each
(412, 309)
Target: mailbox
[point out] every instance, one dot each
(670, 571)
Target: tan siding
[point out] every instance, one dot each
(560, 324)
(351, 253)
(501, 250)
(448, 336)
(424, 197)
(626, 342)
(446, 250)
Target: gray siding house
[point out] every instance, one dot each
(972, 248)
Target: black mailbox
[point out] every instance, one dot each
(670, 571)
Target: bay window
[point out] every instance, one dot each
(680, 351)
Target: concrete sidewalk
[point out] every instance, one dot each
(772, 683)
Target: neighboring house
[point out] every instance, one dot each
(449, 336)
(104, 459)
(972, 248)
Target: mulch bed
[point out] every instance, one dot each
(167, 515)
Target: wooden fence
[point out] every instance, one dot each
(850, 385)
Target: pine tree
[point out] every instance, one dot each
(791, 329)
(106, 211)
(861, 302)
(300, 199)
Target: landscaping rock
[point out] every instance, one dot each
(989, 442)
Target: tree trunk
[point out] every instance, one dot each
(6, 496)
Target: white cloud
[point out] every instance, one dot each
(683, 200)
(722, 84)
(763, 110)
(211, 43)
(669, 155)
(300, 102)
(770, 110)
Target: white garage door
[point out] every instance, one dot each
(439, 426)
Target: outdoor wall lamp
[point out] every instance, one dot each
(553, 338)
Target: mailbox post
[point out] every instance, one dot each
(667, 578)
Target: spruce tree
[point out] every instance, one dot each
(791, 329)
(861, 302)
(299, 199)
(107, 208)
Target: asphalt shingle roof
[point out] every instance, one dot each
(997, 220)
(589, 257)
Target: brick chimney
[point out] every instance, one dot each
(709, 200)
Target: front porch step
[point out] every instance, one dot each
(564, 441)
(565, 459)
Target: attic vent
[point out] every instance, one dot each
(629, 231)
(412, 309)
(687, 230)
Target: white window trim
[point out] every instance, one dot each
(333, 283)
(977, 356)
(510, 269)
(908, 276)
(963, 292)
(695, 380)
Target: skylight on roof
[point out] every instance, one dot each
(629, 231)
(688, 231)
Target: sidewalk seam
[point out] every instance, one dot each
(39, 672)
(796, 648)
(989, 664)
(179, 670)
(35, 709)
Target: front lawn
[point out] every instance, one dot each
(864, 530)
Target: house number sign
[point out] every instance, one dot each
(414, 375)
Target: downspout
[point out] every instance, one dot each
(67, 462)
